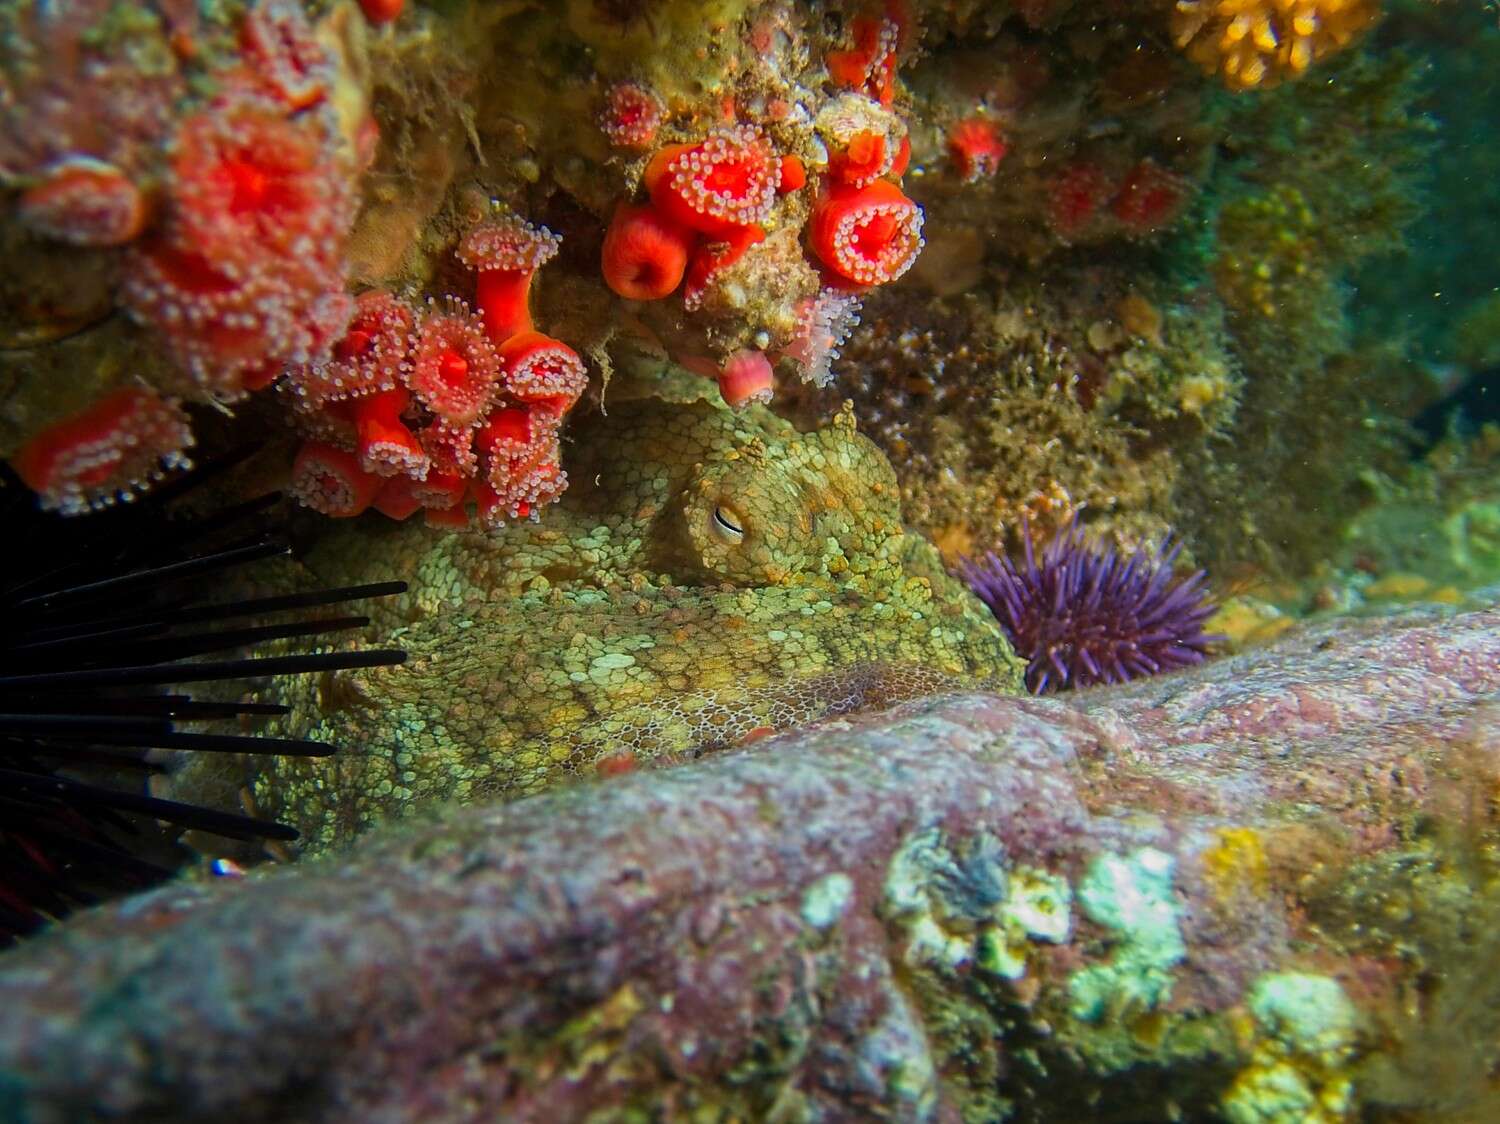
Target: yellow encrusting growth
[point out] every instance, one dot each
(1258, 43)
(1236, 866)
(1271, 248)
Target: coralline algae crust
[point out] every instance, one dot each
(955, 905)
(826, 900)
(1306, 1034)
(1130, 895)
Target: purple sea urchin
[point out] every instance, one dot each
(1081, 616)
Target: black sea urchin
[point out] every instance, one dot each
(1081, 616)
(106, 618)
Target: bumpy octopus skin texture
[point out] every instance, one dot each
(708, 577)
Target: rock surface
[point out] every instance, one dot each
(1261, 890)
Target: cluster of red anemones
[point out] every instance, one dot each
(863, 229)
(238, 266)
(434, 409)
(708, 202)
(82, 120)
(1145, 199)
(246, 273)
(864, 235)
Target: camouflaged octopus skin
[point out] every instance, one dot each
(709, 575)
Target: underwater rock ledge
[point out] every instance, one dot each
(1222, 893)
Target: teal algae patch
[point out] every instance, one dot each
(1131, 896)
(827, 899)
(1306, 1036)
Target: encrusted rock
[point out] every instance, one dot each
(1237, 891)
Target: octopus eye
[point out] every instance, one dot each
(726, 525)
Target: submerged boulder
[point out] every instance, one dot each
(1258, 890)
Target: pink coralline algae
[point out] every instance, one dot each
(433, 410)
(872, 912)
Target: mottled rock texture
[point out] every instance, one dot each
(1242, 892)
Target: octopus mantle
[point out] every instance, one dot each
(710, 576)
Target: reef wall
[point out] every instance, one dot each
(401, 241)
